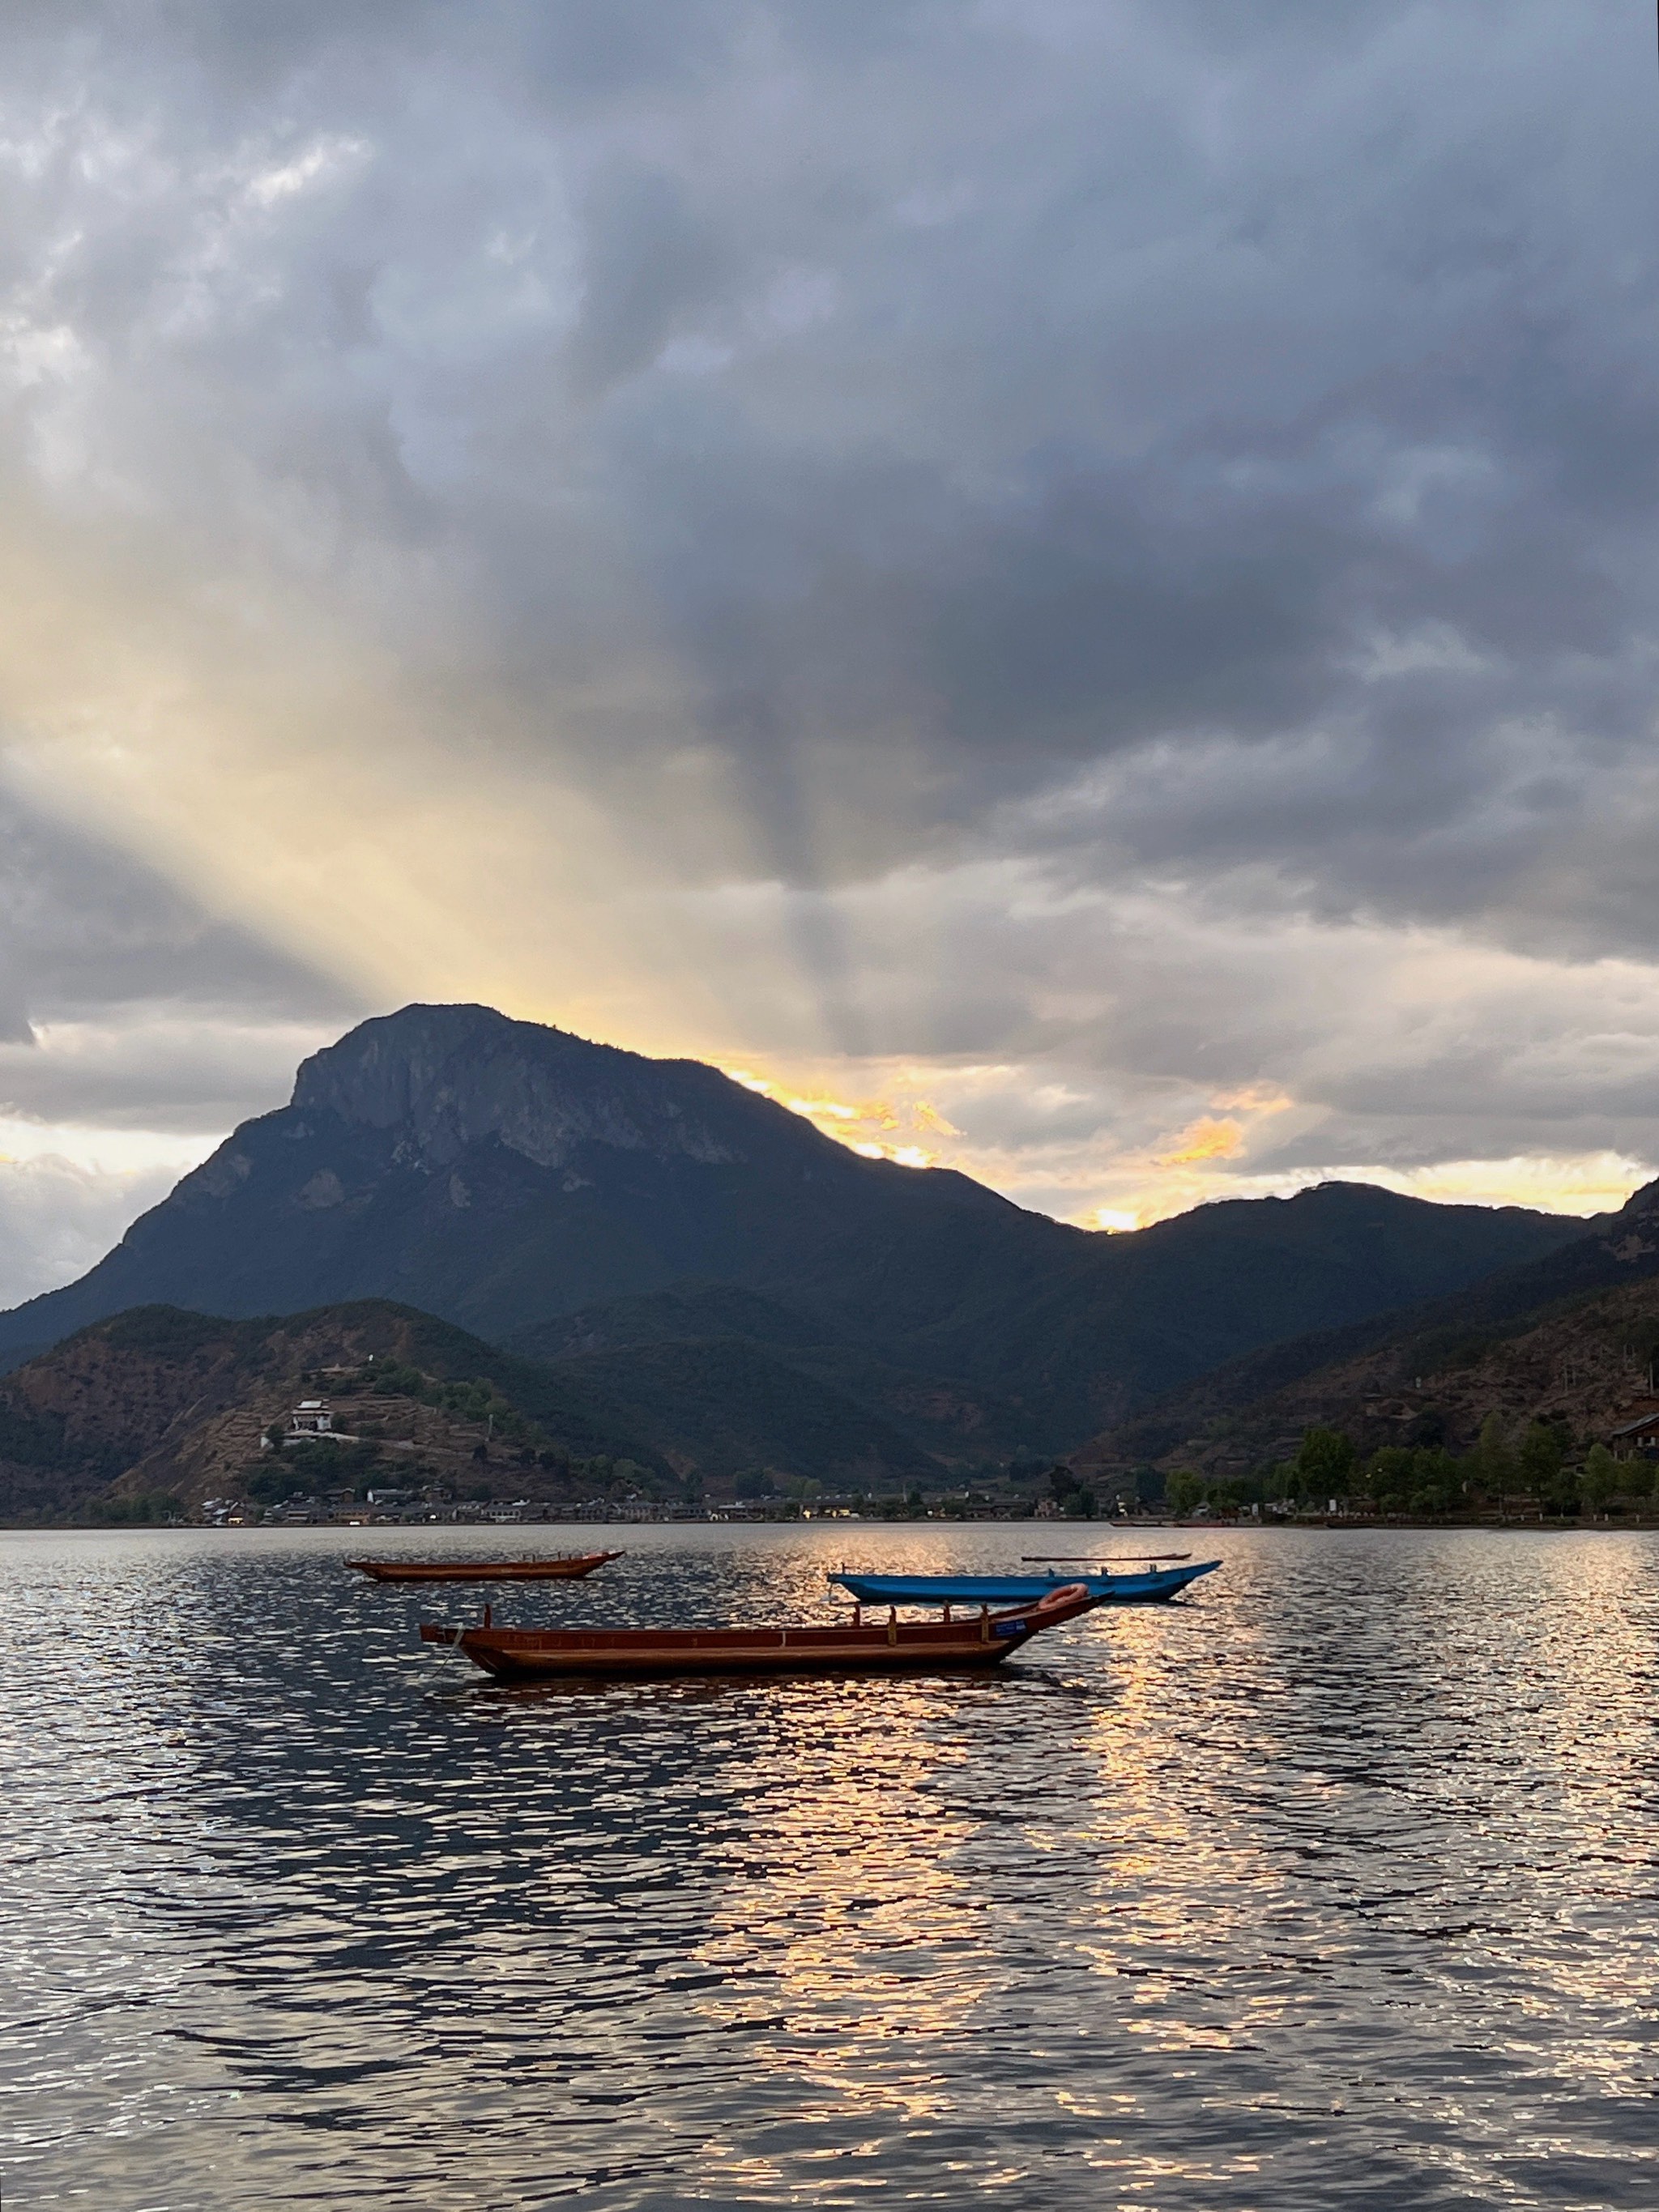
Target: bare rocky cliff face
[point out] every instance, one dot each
(445, 1078)
(456, 1097)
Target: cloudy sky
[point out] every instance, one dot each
(1072, 583)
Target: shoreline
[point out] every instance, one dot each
(1323, 1525)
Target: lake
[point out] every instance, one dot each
(1335, 1885)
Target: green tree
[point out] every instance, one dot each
(1494, 1465)
(1390, 1476)
(1279, 1483)
(1560, 1496)
(1437, 1482)
(155, 1505)
(1076, 1503)
(1600, 1479)
(1237, 1494)
(1540, 1458)
(1183, 1489)
(1326, 1462)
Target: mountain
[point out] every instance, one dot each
(1571, 1335)
(689, 1329)
(505, 1175)
(719, 1406)
(691, 1312)
(159, 1400)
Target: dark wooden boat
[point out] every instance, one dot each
(564, 1566)
(977, 1639)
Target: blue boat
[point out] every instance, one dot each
(1147, 1588)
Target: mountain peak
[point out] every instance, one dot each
(446, 1077)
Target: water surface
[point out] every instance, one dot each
(1335, 1885)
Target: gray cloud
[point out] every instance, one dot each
(124, 1006)
(134, 1029)
(56, 1220)
(85, 930)
(992, 467)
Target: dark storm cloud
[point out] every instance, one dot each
(1051, 382)
(649, 264)
(1361, 466)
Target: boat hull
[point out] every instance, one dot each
(566, 1567)
(535, 1654)
(1152, 1589)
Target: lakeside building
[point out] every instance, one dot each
(1636, 1439)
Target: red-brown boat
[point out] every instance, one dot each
(977, 1639)
(564, 1566)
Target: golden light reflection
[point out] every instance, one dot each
(858, 1855)
(1151, 1821)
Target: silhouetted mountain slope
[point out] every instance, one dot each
(508, 1173)
(1581, 1363)
(1153, 1308)
(720, 1404)
(501, 1175)
(685, 1312)
(955, 1422)
(1334, 1375)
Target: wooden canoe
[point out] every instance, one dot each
(542, 1655)
(562, 1567)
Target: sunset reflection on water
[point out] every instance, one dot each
(1323, 1887)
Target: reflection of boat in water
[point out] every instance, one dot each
(1147, 1588)
(561, 1567)
(981, 1639)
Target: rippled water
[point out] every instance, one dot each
(1334, 1886)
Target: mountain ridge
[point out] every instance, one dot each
(160, 1400)
(1331, 1377)
(501, 1174)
